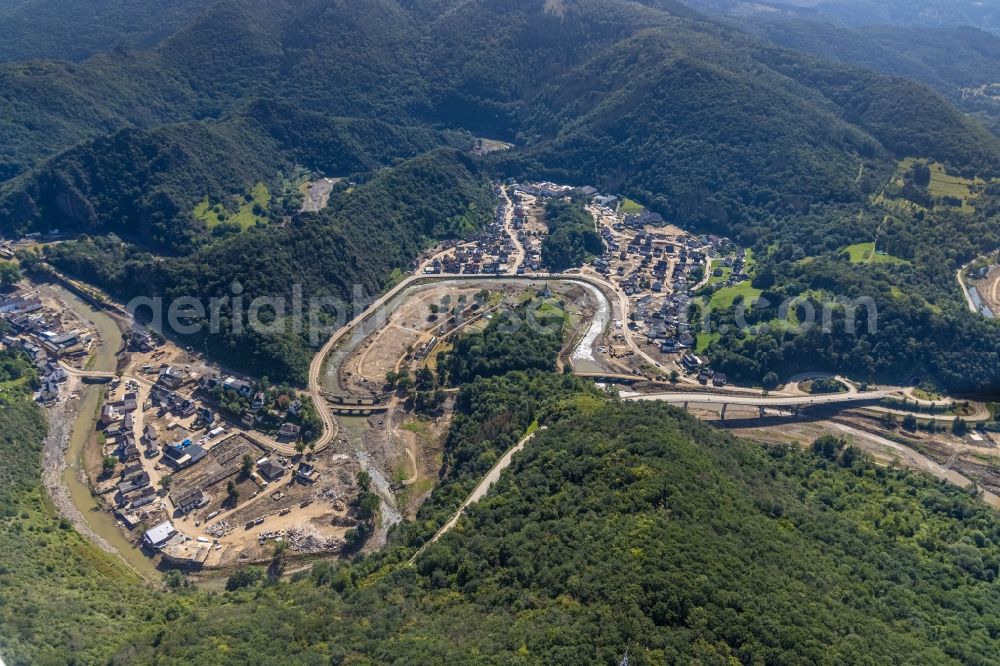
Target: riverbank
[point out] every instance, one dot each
(72, 427)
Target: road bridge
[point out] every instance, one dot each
(763, 402)
(611, 377)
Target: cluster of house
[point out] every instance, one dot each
(40, 334)
(699, 364)
(272, 471)
(258, 401)
(489, 251)
(736, 264)
(655, 271)
(134, 489)
(547, 190)
(165, 396)
(531, 243)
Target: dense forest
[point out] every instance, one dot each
(922, 327)
(77, 29)
(954, 61)
(144, 184)
(619, 528)
(571, 238)
(527, 337)
(863, 13)
(579, 89)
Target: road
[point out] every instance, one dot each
(316, 389)
(965, 290)
(764, 401)
(918, 461)
(479, 491)
(508, 223)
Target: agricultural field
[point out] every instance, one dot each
(252, 209)
(943, 184)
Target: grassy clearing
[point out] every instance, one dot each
(440, 348)
(630, 207)
(943, 184)
(252, 209)
(864, 253)
(924, 394)
(13, 383)
(725, 297)
(703, 340)
(719, 279)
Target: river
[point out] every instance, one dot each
(583, 356)
(102, 523)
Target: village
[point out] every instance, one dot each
(199, 467)
(206, 468)
(657, 266)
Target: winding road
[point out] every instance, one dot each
(736, 396)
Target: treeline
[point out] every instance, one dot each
(343, 253)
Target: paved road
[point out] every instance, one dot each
(480, 490)
(764, 401)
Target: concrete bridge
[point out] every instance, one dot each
(612, 377)
(358, 410)
(762, 402)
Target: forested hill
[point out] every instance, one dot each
(636, 528)
(651, 99)
(144, 184)
(357, 242)
(960, 63)
(860, 13)
(619, 527)
(77, 29)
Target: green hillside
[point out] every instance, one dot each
(863, 13)
(146, 183)
(386, 221)
(956, 62)
(76, 29)
(620, 527)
